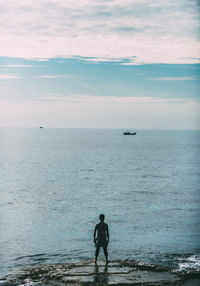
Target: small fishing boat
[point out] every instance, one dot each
(129, 133)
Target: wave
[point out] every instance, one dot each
(179, 263)
(189, 264)
(30, 256)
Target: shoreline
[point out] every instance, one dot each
(89, 274)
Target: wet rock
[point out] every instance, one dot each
(3, 283)
(88, 274)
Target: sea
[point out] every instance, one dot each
(54, 183)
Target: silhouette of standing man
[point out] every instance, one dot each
(102, 239)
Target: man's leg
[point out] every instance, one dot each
(96, 253)
(106, 253)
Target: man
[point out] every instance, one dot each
(102, 239)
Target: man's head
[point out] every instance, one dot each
(101, 217)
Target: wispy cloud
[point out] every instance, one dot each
(17, 66)
(41, 60)
(105, 99)
(152, 32)
(56, 76)
(9, 76)
(174, 78)
(98, 60)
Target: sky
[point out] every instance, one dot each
(100, 64)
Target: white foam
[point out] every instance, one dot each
(191, 263)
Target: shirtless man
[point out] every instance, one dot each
(102, 239)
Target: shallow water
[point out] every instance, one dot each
(55, 182)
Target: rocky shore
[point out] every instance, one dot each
(86, 273)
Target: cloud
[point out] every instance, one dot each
(174, 78)
(9, 76)
(56, 76)
(98, 60)
(49, 97)
(17, 66)
(117, 113)
(41, 60)
(152, 32)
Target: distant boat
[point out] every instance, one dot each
(41, 127)
(129, 133)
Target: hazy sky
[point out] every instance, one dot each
(100, 63)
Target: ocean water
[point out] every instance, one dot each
(54, 183)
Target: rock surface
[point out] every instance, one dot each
(87, 273)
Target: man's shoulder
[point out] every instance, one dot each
(105, 225)
(101, 223)
(97, 225)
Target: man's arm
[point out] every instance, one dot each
(95, 230)
(107, 234)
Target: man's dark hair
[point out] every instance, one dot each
(101, 217)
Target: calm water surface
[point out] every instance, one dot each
(55, 182)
